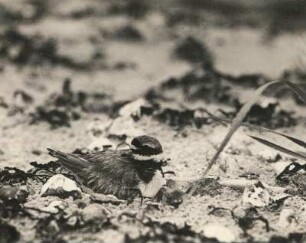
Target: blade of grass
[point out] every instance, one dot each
(301, 93)
(237, 121)
(302, 96)
(295, 140)
(279, 148)
(259, 128)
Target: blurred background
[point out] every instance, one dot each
(65, 63)
(124, 47)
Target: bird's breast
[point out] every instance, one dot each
(151, 188)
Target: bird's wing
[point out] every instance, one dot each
(72, 162)
(107, 172)
(111, 172)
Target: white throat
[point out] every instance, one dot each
(152, 188)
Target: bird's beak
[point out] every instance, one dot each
(164, 161)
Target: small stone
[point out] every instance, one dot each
(287, 219)
(55, 206)
(220, 232)
(268, 155)
(94, 212)
(72, 220)
(279, 167)
(256, 195)
(133, 108)
(8, 193)
(52, 227)
(299, 180)
(8, 233)
(99, 144)
(36, 152)
(62, 187)
(302, 213)
(175, 198)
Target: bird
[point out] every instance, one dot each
(124, 173)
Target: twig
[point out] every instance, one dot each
(242, 183)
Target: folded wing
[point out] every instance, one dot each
(107, 172)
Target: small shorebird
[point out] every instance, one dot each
(124, 173)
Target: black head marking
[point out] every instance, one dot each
(146, 145)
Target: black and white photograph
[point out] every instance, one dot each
(161, 121)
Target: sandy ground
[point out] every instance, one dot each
(148, 63)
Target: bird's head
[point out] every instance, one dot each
(146, 148)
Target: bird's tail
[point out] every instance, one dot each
(71, 161)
